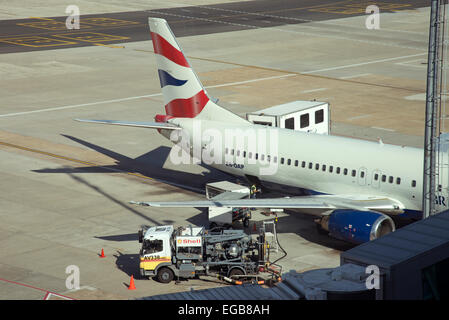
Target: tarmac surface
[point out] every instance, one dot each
(47, 33)
(66, 185)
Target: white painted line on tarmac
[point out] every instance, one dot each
(355, 76)
(385, 129)
(135, 97)
(364, 63)
(313, 90)
(359, 117)
(410, 63)
(416, 97)
(78, 105)
(253, 80)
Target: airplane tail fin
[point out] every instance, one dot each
(184, 95)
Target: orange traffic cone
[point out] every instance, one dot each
(131, 284)
(102, 254)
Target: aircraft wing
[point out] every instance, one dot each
(326, 202)
(152, 125)
(229, 196)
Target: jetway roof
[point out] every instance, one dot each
(287, 108)
(242, 292)
(404, 244)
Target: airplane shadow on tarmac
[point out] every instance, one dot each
(149, 165)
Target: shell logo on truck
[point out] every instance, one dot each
(188, 241)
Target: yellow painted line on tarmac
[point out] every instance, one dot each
(40, 18)
(86, 163)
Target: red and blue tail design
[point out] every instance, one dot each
(184, 95)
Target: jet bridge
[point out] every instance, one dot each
(308, 116)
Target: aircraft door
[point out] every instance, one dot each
(362, 176)
(375, 179)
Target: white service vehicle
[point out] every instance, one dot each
(309, 116)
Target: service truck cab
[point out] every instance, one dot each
(156, 249)
(161, 250)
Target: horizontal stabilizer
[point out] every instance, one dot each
(152, 125)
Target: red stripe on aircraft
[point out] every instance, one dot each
(162, 118)
(187, 108)
(164, 48)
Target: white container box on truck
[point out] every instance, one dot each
(225, 190)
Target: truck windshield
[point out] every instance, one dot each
(151, 246)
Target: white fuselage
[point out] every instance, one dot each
(317, 163)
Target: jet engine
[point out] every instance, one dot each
(357, 226)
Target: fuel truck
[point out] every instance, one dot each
(188, 252)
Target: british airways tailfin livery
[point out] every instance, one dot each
(353, 185)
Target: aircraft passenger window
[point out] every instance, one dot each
(384, 178)
(376, 176)
(275, 159)
(244, 154)
(362, 174)
(390, 179)
(282, 160)
(414, 183)
(317, 166)
(262, 157)
(238, 153)
(398, 180)
(324, 167)
(310, 165)
(250, 155)
(268, 158)
(331, 169)
(257, 156)
(304, 120)
(319, 116)
(303, 164)
(296, 163)
(353, 173)
(232, 151)
(440, 188)
(345, 171)
(290, 123)
(289, 161)
(226, 150)
(338, 170)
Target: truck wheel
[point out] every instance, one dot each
(236, 272)
(165, 275)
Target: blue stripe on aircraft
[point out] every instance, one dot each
(167, 80)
